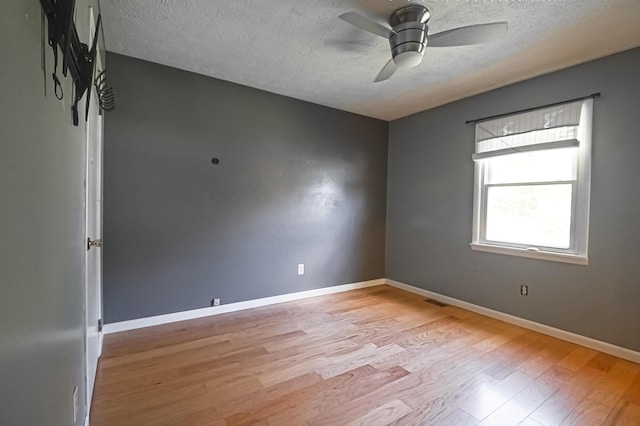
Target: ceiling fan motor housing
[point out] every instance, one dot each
(408, 43)
(410, 35)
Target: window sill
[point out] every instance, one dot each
(534, 254)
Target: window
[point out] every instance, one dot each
(532, 181)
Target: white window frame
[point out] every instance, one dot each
(578, 250)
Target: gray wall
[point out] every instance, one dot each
(42, 225)
(296, 183)
(430, 199)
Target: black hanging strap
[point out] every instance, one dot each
(57, 86)
(43, 56)
(51, 10)
(78, 59)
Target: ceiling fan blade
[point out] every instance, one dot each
(386, 72)
(366, 24)
(463, 36)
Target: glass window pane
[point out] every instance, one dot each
(535, 166)
(535, 215)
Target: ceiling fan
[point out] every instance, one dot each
(408, 35)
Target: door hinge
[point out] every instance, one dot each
(93, 243)
(100, 325)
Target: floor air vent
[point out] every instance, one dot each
(435, 302)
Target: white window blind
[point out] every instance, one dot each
(532, 182)
(546, 128)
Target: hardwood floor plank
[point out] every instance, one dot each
(217, 379)
(625, 413)
(567, 397)
(214, 342)
(319, 397)
(587, 413)
(602, 361)
(219, 362)
(384, 415)
(458, 418)
(377, 330)
(279, 375)
(373, 356)
(518, 408)
(539, 364)
(577, 358)
(333, 397)
(370, 353)
(529, 422)
(632, 393)
(483, 399)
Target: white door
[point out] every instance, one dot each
(93, 281)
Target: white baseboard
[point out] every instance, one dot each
(233, 307)
(531, 325)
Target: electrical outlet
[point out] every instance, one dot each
(75, 404)
(524, 290)
(215, 301)
(300, 268)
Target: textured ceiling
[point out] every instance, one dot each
(299, 48)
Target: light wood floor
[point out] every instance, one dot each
(374, 356)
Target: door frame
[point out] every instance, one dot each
(93, 230)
